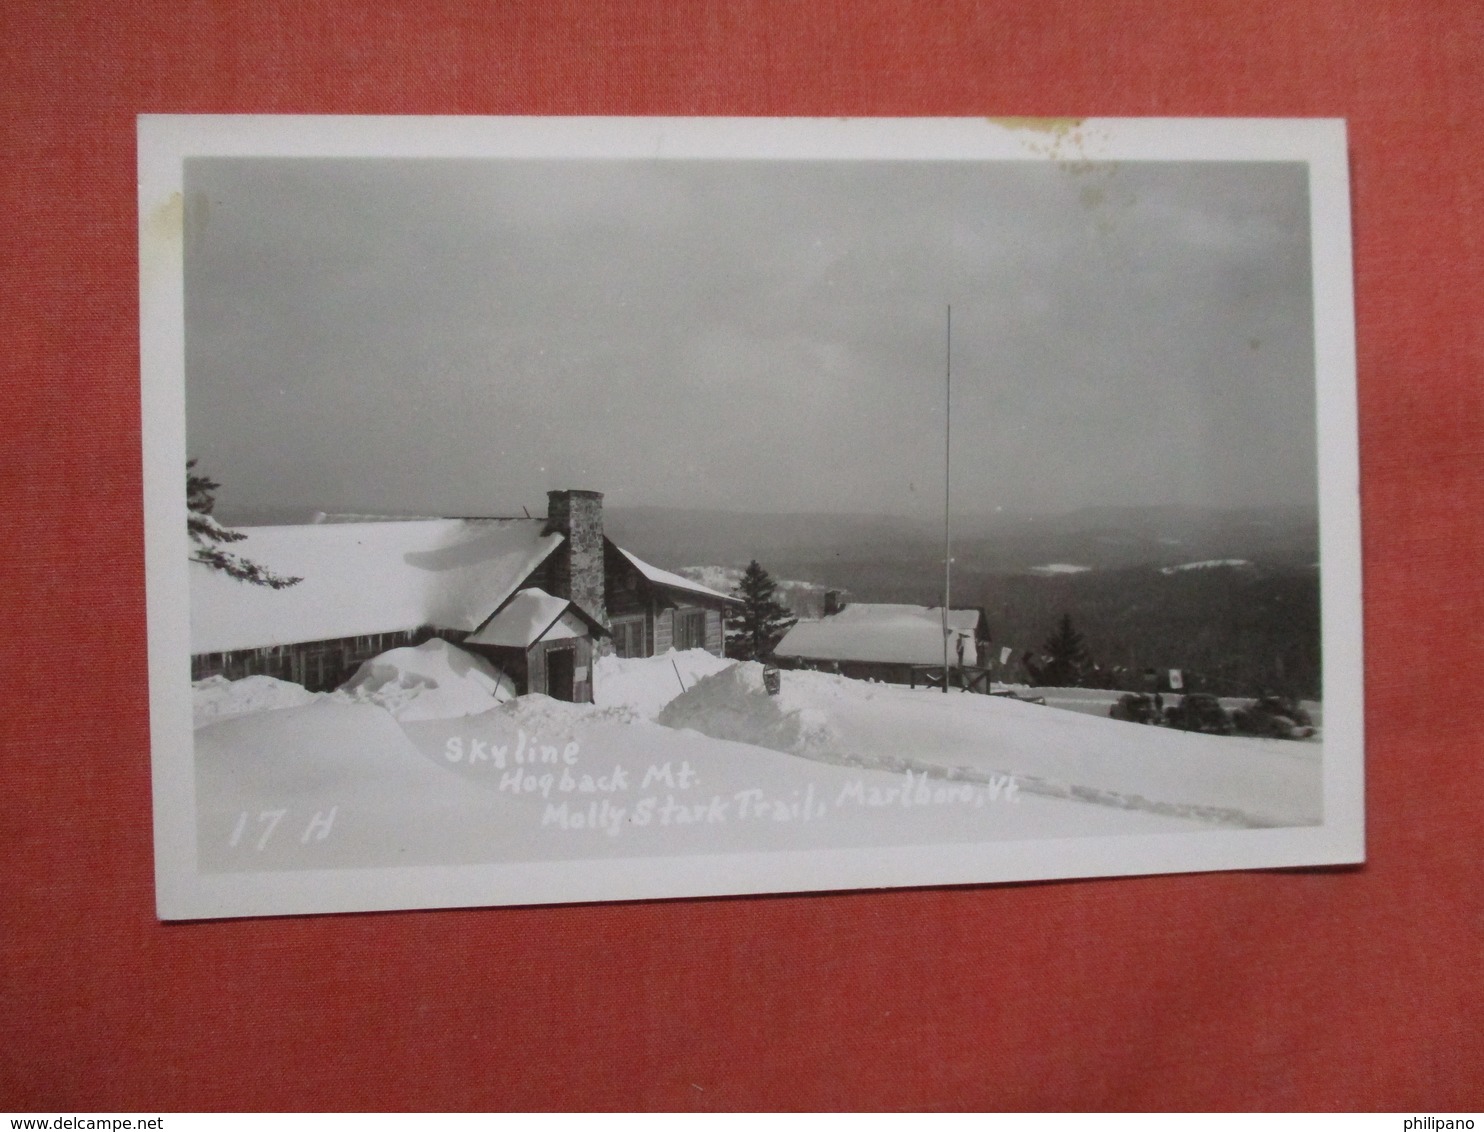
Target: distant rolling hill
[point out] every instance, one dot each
(1230, 597)
(1104, 537)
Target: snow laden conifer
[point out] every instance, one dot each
(755, 628)
(207, 535)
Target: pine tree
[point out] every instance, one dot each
(758, 626)
(206, 533)
(1067, 660)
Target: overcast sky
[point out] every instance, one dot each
(456, 337)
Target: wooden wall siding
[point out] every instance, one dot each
(510, 661)
(664, 631)
(535, 670)
(320, 666)
(582, 682)
(715, 632)
(627, 589)
(543, 577)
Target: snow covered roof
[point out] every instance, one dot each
(673, 581)
(886, 634)
(528, 617)
(363, 578)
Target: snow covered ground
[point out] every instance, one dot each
(963, 737)
(217, 698)
(721, 767)
(646, 685)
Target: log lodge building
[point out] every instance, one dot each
(539, 598)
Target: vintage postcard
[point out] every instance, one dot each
(551, 510)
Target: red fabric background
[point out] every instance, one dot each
(1357, 988)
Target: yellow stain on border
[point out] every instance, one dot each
(1057, 127)
(167, 221)
(161, 236)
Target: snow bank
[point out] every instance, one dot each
(1226, 780)
(733, 704)
(216, 698)
(435, 680)
(336, 785)
(646, 684)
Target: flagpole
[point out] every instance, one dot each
(947, 474)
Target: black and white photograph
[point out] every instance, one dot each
(600, 509)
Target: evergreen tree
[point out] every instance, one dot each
(755, 628)
(206, 535)
(1066, 657)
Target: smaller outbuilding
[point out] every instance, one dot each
(543, 643)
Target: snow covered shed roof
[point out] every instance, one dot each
(659, 577)
(531, 615)
(882, 634)
(363, 578)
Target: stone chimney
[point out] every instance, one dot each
(832, 603)
(576, 568)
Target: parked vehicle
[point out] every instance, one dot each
(1135, 707)
(1199, 711)
(1273, 717)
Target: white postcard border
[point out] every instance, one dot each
(185, 893)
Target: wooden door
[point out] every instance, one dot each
(560, 666)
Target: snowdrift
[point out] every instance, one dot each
(733, 704)
(646, 684)
(216, 698)
(827, 763)
(332, 784)
(1223, 780)
(435, 680)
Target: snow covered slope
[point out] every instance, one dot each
(1229, 780)
(829, 763)
(216, 698)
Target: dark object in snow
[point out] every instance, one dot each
(1199, 711)
(1273, 717)
(1135, 707)
(772, 679)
